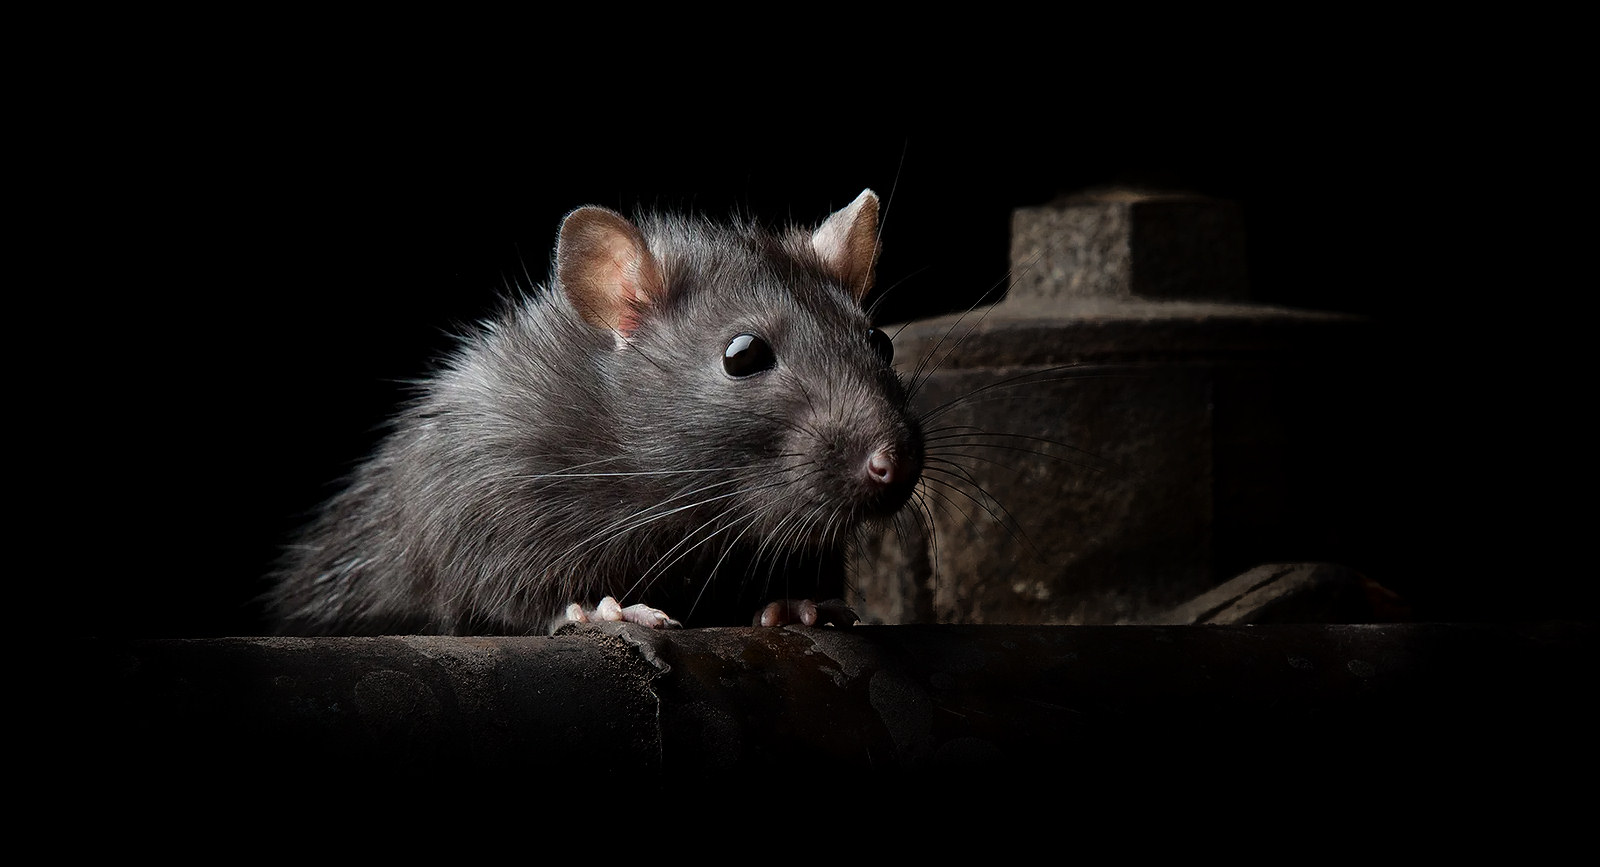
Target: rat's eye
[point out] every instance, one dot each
(747, 354)
(881, 344)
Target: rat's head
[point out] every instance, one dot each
(745, 364)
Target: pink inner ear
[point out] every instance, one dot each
(622, 281)
(628, 320)
(607, 269)
(630, 269)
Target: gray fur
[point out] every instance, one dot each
(547, 462)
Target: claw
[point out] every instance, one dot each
(610, 609)
(804, 611)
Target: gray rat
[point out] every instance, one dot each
(686, 426)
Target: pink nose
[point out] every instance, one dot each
(881, 467)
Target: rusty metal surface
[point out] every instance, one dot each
(1123, 432)
(625, 706)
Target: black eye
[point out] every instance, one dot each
(881, 344)
(747, 354)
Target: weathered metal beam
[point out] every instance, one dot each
(622, 705)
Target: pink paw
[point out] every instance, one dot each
(611, 609)
(785, 611)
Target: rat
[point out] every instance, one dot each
(685, 426)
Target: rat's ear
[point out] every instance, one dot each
(604, 265)
(848, 243)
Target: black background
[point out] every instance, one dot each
(244, 260)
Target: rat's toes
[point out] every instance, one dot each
(654, 618)
(804, 611)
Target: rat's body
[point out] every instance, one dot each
(693, 418)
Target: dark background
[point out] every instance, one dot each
(242, 268)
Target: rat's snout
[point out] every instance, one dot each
(854, 450)
(887, 468)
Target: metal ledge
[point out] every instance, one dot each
(888, 704)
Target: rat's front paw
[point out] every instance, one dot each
(785, 611)
(611, 609)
